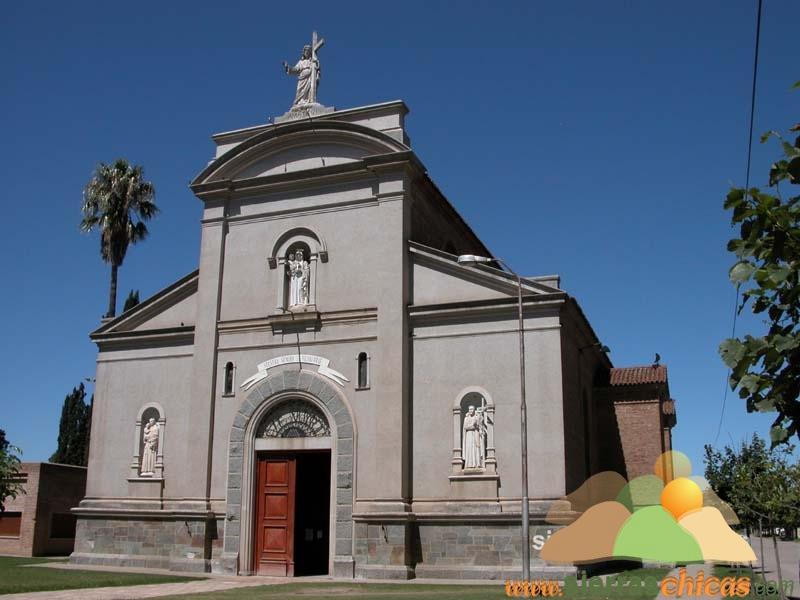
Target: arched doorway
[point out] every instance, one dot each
(292, 491)
(301, 421)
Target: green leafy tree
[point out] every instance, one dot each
(131, 301)
(74, 430)
(758, 482)
(10, 482)
(766, 368)
(117, 201)
(762, 486)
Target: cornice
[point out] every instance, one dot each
(145, 513)
(340, 317)
(146, 338)
(302, 179)
(539, 305)
(483, 275)
(239, 135)
(262, 140)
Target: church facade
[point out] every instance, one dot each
(331, 392)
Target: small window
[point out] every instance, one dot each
(363, 371)
(10, 523)
(227, 388)
(62, 526)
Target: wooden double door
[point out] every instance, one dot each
(292, 527)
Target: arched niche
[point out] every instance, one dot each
(151, 410)
(483, 403)
(314, 252)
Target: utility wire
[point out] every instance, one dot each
(746, 189)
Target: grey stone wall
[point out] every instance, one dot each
(383, 551)
(480, 551)
(455, 550)
(179, 545)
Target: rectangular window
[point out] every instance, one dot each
(10, 523)
(62, 525)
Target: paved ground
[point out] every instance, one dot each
(790, 561)
(790, 565)
(691, 571)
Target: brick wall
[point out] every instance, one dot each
(26, 504)
(61, 488)
(641, 435)
(50, 489)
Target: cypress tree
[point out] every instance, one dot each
(131, 301)
(73, 429)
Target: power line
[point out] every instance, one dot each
(746, 188)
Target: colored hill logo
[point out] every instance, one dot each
(668, 517)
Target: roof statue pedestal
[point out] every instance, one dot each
(307, 69)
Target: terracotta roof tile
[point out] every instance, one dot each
(639, 375)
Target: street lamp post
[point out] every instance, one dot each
(471, 260)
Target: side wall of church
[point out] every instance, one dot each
(127, 380)
(451, 357)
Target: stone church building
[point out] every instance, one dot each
(330, 392)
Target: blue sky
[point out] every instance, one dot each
(596, 140)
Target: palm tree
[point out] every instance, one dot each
(117, 200)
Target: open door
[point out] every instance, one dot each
(274, 535)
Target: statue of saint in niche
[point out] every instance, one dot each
(152, 432)
(473, 436)
(298, 279)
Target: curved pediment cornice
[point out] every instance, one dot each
(298, 146)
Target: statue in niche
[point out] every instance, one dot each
(298, 279)
(152, 432)
(473, 439)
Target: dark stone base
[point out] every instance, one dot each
(227, 564)
(177, 544)
(141, 562)
(492, 573)
(394, 550)
(384, 572)
(462, 549)
(344, 567)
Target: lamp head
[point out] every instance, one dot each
(470, 260)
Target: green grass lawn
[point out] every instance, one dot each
(401, 591)
(16, 578)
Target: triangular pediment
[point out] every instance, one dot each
(439, 279)
(172, 308)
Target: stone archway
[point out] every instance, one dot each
(237, 552)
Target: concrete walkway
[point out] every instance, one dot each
(790, 565)
(145, 591)
(691, 571)
(209, 583)
(790, 561)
